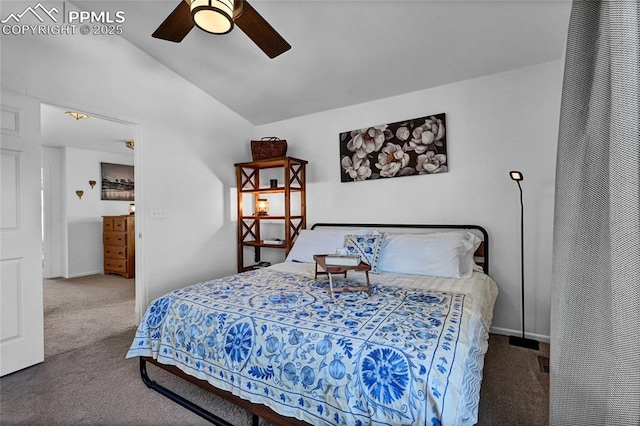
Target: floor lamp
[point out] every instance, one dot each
(515, 340)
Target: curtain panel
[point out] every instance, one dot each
(595, 313)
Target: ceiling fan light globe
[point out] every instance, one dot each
(213, 16)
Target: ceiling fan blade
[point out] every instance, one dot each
(259, 30)
(177, 25)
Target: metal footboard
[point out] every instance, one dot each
(189, 405)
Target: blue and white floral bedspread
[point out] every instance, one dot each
(276, 338)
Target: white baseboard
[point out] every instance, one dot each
(85, 274)
(509, 332)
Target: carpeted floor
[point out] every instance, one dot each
(80, 311)
(514, 389)
(85, 380)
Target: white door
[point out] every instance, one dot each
(21, 308)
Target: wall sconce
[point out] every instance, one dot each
(92, 183)
(132, 208)
(262, 207)
(79, 193)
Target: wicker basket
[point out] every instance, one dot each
(266, 148)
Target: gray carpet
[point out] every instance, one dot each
(91, 383)
(514, 389)
(95, 385)
(80, 311)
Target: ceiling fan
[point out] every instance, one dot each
(219, 17)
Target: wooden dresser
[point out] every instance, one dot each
(118, 240)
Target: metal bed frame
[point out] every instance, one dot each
(259, 410)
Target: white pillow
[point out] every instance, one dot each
(439, 254)
(318, 241)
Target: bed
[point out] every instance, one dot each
(272, 341)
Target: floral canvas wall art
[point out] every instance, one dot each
(410, 147)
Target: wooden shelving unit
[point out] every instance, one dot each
(292, 181)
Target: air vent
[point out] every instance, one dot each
(543, 362)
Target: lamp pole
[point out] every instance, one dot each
(514, 340)
(521, 253)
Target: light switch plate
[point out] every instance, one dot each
(157, 214)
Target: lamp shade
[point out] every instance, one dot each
(213, 16)
(516, 175)
(262, 207)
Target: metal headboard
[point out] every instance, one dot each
(481, 255)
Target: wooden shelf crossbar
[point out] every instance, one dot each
(295, 229)
(249, 179)
(296, 176)
(249, 230)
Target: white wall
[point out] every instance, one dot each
(84, 215)
(187, 144)
(73, 226)
(55, 264)
(495, 124)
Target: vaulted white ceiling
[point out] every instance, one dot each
(93, 133)
(346, 52)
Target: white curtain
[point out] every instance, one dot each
(595, 319)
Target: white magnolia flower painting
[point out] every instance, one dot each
(411, 147)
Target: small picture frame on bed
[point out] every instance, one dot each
(410, 147)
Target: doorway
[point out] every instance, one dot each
(81, 303)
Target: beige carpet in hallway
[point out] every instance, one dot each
(80, 311)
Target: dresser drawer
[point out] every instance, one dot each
(115, 224)
(115, 265)
(114, 238)
(115, 252)
(120, 224)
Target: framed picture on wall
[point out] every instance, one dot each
(117, 182)
(410, 147)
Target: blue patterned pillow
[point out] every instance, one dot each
(368, 247)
